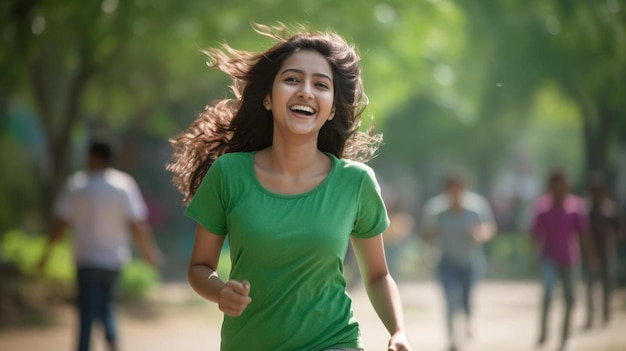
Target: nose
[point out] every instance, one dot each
(305, 92)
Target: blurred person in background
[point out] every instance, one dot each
(103, 206)
(604, 225)
(559, 228)
(457, 223)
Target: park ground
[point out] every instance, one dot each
(175, 319)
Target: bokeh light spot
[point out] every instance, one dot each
(38, 25)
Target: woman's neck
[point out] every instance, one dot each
(293, 159)
(291, 170)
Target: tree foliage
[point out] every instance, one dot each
(519, 58)
(449, 82)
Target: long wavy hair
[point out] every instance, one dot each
(242, 123)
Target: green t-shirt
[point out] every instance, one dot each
(291, 249)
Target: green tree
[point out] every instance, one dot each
(578, 45)
(134, 67)
(589, 63)
(483, 96)
(89, 63)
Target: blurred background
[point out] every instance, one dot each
(504, 89)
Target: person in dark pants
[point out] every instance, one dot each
(457, 223)
(96, 289)
(604, 227)
(559, 228)
(103, 206)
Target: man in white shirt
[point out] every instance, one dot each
(105, 208)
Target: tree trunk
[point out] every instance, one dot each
(596, 140)
(58, 137)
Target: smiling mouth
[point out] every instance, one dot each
(303, 109)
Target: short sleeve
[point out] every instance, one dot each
(136, 206)
(372, 218)
(207, 206)
(429, 216)
(483, 210)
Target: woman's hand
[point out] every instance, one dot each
(399, 342)
(234, 297)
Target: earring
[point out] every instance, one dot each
(266, 104)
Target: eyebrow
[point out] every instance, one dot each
(296, 70)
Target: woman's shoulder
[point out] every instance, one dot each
(354, 174)
(230, 164)
(234, 159)
(235, 156)
(352, 166)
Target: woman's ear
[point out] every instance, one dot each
(267, 103)
(332, 114)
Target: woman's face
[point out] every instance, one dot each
(302, 94)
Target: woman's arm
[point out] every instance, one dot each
(232, 296)
(381, 289)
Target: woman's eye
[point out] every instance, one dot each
(291, 79)
(322, 85)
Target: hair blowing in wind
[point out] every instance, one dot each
(242, 124)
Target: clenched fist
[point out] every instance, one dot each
(234, 297)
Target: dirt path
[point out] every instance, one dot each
(505, 319)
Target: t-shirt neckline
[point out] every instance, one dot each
(333, 166)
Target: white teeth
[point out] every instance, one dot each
(303, 108)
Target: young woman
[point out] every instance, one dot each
(276, 171)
